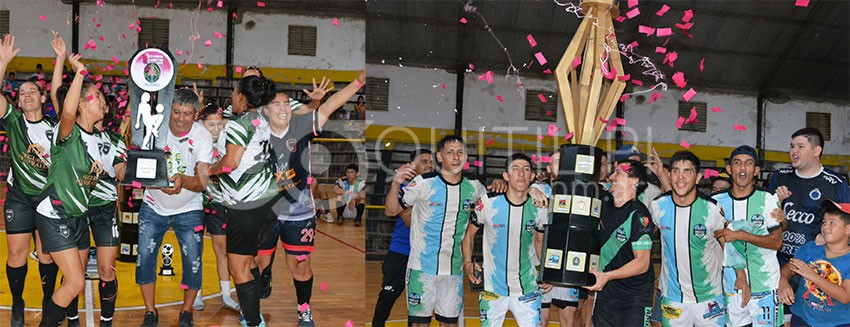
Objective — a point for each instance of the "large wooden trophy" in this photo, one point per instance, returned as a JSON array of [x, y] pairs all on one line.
[[589, 90], [151, 84]]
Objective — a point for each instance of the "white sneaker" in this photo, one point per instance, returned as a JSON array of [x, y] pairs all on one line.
[[327, 218], [199, 302], [230, 303]]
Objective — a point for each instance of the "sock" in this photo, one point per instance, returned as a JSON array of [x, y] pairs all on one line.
[[303, 290], [48, 272], [360, 208], [73, 310], [339, 211], [52, 314], [16, 277], [224, 285], [256, 273], [249, 299], [108, 294], [198, 298]]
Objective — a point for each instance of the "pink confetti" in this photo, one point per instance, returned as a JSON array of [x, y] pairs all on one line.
[[624, 77], [218, 35], [466, 165], [633, 3], [716, 109], [255, 122], [548, 113], [500, 99], [702, 64], [261, 4], [130, 203], [208, 42], [443, 86], [43, 18], [490, 141], [624, 97], [553, 130], [576, 61], [685, 144], [462, 20], [547, 71], [670, 57], [219, 3], [200, 65], [637, 82], [611, 74], [310, 180], [679, 79], [99, 3], [689, 95], [686, 17], [569, 136], [56, 202], [610, 128], [802, 3], [663, 10], [709, 173], [654, 97], [633, 13], [603, 120], [199, 228], [666, 31], [531, 40], [471, 66], [115, 60], [545, 159], [223, 226], [90, 97], [301, 257], [692, 118], [541, 98], [478, 163], [540, 58], [226, 169], [646, 30], [324, 287], [738, 127], [620, 121], [540, 137], [626, 167], [684, 27], [620, 19], [336, 22], [349, 323], [534, 158], [238, 69], [680, 122], [131, 26]]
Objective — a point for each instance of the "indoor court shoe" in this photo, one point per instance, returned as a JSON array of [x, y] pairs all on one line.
[[17, 315], [186, 319], [106, 323], [151, 320], [267, 286], [244, 323], [228, 302], [75, 322], [305, 318]]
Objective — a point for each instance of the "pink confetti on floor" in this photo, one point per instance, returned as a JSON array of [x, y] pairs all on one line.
[[540, 58], [349, 323], [663, 10], [531, 40], [685, 144], [323, 287], [689, 95]]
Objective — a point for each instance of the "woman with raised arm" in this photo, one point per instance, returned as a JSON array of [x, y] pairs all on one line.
[[65, 199], [30, 134]]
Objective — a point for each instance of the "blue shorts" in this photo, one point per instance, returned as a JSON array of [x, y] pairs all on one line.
[[297, 237]]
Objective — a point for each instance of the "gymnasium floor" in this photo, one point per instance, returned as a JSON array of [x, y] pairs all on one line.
[[337, 263]]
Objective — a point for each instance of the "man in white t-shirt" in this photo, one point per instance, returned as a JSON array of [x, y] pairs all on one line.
[[189, 154]]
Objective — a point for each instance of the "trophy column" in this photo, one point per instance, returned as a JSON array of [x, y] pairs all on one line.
[[572, 239]]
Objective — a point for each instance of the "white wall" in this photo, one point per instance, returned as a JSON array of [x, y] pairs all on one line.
[[414, 101], [340, 47], [32, 34]]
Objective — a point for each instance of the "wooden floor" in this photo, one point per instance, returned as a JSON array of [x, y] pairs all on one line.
[[338, 262]]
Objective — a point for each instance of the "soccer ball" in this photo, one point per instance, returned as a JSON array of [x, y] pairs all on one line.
[[167, 249]]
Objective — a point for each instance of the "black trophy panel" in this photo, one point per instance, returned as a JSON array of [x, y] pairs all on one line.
[[141, 173]]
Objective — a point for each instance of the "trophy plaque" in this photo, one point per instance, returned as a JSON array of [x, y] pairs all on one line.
[[151, 84]]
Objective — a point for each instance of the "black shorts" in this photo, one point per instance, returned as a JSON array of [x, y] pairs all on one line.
[[103, 222], [215, 218], [20, 211], [632, 314], [59, 234], [297, 237], [250, 224]]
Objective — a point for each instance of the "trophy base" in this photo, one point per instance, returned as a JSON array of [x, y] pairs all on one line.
[[146, 167], [166, 271]]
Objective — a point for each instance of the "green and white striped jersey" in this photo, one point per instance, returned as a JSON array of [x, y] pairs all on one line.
[[254, 178], [114, 152], [213, 193], [29, 147]]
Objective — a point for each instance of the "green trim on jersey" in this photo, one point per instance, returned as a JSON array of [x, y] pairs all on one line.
[[107, 185], [257, 182], [73, 174], [28, 161], [699, 273]]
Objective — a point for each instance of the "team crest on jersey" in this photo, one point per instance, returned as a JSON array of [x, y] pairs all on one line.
[[530, 226], [467, 204], [815, 194], [480, 205], [644, 221], [714, 310], [49, 134], [621, 235], [483, 314], [291, 144], [104, 147], [700, 230], [414, 299], [63, 230], [758, 220]]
